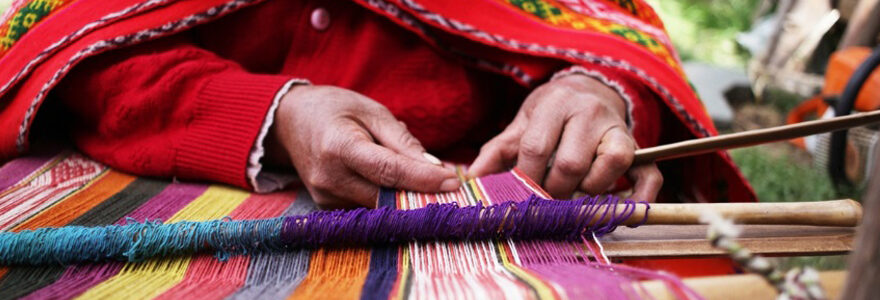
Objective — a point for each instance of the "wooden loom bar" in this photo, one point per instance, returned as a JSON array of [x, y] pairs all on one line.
[[846, 213], [690, 241], [786, 228], [753, 137]]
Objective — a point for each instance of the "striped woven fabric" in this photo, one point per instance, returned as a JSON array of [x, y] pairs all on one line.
[[58, 189]]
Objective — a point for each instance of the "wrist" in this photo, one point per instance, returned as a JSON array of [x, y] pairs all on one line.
[[585, 84], [276, 152], [619, 83]]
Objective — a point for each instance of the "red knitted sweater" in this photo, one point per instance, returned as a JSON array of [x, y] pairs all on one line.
[[192, 105]]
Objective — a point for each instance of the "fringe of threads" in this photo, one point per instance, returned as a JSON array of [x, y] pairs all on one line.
[[795, 284]]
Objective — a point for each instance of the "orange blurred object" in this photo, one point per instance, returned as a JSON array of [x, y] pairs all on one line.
[[812, 108], [840, 68]]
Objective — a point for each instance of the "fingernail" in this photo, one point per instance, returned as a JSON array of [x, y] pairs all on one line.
[[450, 184], [432, 159]]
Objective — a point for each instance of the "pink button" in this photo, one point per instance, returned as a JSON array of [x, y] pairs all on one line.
[[320, 19]]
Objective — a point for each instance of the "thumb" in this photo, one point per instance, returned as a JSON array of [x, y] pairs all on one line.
[[387, 168]]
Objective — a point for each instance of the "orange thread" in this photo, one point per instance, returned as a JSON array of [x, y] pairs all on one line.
[[335, 274]]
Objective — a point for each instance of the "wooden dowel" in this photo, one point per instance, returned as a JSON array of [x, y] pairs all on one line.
[[753, 137], [844, 213]]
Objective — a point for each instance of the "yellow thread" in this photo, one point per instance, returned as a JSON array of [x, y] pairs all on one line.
[[28, 20], [401, 199], [402, 277], [544, 291], [146, 280], [478, 194]]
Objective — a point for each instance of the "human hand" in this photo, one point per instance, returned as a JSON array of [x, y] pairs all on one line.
[[344, 146], [582, 121]]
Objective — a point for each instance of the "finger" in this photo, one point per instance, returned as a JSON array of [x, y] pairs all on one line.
[[335, 186], [339, 199], [392, 134], [358, 193], [648, 181], [497, 155], [384, 167], [613, 157], [538, 142], [573, 158]]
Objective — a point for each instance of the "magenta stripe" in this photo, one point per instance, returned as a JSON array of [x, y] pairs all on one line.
[[78, 279], [504, 187], [560, 263], [17, 170]]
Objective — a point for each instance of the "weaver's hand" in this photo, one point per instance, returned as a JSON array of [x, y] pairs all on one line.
[[570, 134], [345, 146]]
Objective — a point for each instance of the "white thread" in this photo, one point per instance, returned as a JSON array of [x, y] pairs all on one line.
[[601, 249]]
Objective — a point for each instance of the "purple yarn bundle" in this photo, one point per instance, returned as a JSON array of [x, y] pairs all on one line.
[[535, 218]]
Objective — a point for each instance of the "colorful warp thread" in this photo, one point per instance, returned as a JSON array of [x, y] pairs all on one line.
[[92, 195]]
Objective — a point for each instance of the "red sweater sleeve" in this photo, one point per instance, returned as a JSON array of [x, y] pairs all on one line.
[[169, 108]]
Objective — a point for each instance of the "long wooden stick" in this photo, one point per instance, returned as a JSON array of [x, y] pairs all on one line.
[[753, 137], [845, 213]]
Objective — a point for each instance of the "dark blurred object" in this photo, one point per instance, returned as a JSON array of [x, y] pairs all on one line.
[[839, 162], [790, 45], [739, 95], [863, 23], [864, 262]]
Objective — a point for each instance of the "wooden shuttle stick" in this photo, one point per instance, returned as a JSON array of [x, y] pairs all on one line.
[[753, 137], [844, 213]]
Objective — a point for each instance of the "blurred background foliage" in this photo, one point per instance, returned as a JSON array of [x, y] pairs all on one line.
[[705, 30]]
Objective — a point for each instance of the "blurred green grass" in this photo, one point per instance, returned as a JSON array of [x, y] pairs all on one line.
[[777, 177]]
